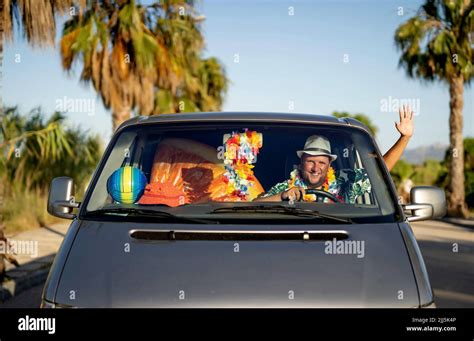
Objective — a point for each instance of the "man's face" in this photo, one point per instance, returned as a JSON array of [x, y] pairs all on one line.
[[314, 169]]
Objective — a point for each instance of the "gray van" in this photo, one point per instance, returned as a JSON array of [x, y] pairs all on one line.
[[172, 217]]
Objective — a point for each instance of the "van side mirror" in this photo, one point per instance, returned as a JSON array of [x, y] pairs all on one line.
[[426, 202], [61, 198]]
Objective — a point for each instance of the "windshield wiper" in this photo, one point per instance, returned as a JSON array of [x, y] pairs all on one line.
[[295, 211], [140, 212]]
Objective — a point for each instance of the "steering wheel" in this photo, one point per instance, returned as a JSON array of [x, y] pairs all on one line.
[[319, 193]]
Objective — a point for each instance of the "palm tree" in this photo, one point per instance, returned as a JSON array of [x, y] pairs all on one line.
[[140, 56], [208, 95], [202, 81], [436, 44], [37, 22], [36, 19], [48, 154], [119, 54], [17, 136]]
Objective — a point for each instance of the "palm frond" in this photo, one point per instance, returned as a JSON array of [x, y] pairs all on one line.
[[36, 19], [437, 42]]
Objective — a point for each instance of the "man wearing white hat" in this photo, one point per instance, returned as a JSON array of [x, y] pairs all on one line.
[[316, 158]]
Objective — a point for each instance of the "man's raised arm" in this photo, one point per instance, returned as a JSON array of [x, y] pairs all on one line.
[[405, 127]]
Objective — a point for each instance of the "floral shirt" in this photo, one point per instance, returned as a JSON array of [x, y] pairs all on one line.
[[347, 184]]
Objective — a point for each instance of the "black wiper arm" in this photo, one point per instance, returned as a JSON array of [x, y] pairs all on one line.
[[139, 212], [299, 212]]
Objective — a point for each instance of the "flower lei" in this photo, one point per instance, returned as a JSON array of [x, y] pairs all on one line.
[[296, 180], [240, 154]]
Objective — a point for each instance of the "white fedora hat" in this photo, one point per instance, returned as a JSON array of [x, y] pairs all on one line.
[[317, 145]]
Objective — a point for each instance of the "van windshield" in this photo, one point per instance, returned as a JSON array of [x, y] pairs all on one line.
[[200, 167]]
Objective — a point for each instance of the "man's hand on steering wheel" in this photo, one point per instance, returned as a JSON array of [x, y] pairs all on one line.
[[293, 194]]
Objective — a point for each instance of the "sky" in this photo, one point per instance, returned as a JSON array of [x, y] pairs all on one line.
[[280, 56]]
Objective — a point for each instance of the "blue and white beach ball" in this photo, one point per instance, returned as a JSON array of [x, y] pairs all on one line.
[[126, 185]]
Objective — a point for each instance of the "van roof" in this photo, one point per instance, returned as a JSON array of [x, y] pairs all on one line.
[[242, 116]]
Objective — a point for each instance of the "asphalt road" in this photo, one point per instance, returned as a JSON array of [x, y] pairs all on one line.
[[27, 299], [448, 251]]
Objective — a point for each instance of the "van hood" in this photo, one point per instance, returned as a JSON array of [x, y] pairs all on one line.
[[110, 264]]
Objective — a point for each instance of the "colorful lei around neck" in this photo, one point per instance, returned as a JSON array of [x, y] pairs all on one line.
[[241, 151], [296, 180]]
